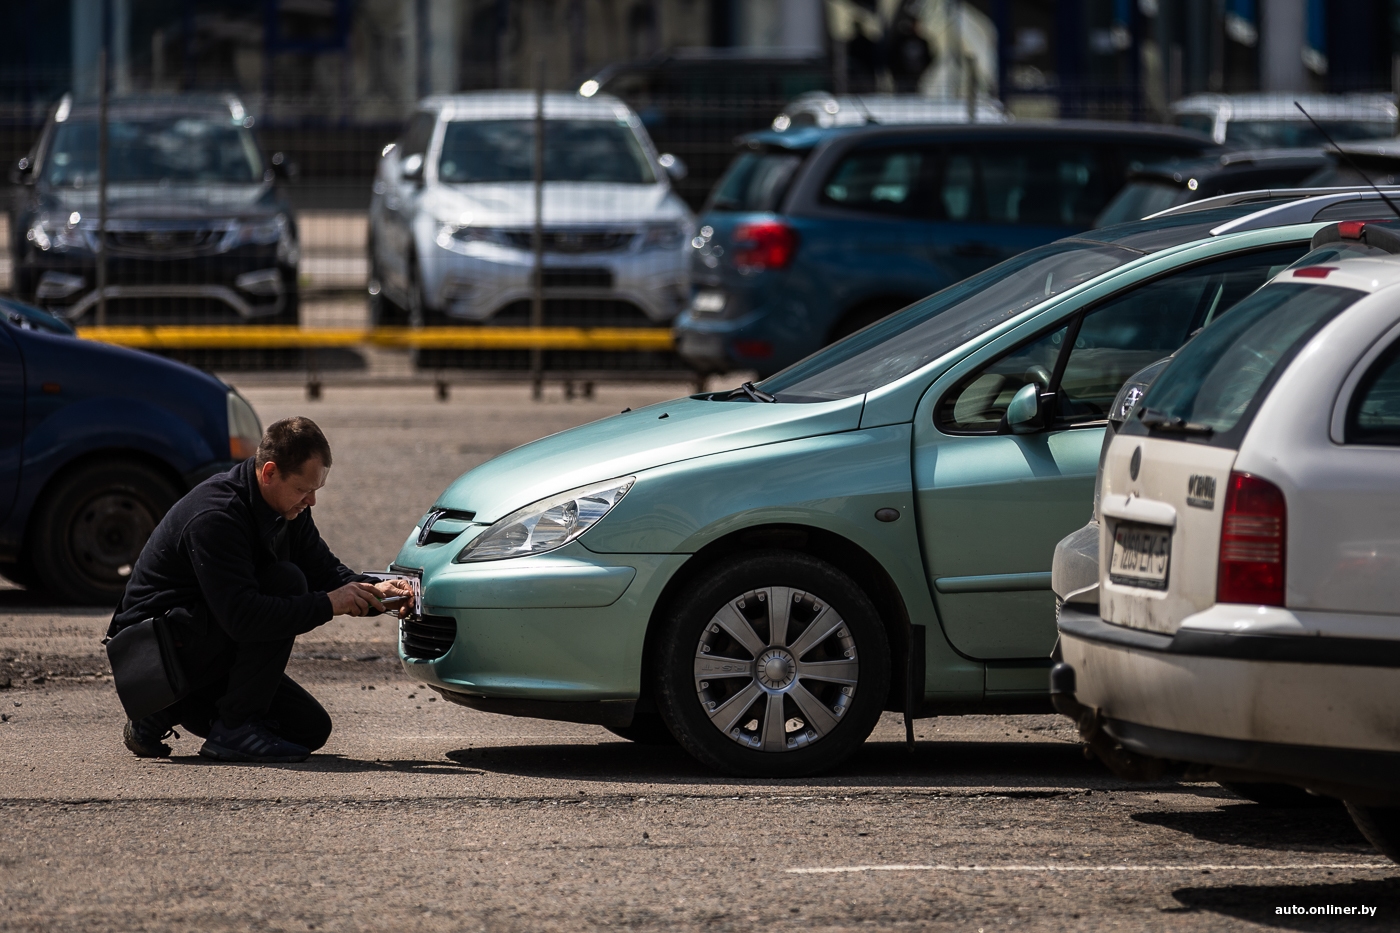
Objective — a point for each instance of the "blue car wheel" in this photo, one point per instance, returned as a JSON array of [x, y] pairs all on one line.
[[91, 525], [774, 664]]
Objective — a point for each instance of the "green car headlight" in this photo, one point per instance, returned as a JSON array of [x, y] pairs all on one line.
[[547, 524]]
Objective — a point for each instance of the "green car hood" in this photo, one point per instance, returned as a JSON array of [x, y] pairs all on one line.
[[626, 444]]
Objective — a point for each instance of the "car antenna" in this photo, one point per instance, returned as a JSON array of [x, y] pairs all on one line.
[[1388, 203], [864, 110]]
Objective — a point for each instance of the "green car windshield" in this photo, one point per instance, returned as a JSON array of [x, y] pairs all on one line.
[[901, 343]]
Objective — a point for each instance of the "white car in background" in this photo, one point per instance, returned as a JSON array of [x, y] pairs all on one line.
[[452, 216], [1273, 121], [818, 108], [1248, 620]]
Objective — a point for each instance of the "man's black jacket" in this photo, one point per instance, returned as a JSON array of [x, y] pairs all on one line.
[[206, 552]]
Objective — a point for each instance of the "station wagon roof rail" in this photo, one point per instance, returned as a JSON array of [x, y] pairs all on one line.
[[1265, 194]]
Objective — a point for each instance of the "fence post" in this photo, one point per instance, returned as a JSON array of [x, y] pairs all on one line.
[[537, 240], [102, 185]]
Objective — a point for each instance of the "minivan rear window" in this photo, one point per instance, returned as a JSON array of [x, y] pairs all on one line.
[[755, 181], [1213, 383]]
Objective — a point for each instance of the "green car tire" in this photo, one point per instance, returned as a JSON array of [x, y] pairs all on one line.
[[774, 664]]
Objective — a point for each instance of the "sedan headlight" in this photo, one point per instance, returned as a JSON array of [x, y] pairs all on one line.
[[547, 524], [244, 431]]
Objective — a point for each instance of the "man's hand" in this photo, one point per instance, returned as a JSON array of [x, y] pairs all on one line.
[[355, 599], [396, 588]]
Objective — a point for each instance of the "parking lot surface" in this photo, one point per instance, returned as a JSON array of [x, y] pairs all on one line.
[[420, 815]]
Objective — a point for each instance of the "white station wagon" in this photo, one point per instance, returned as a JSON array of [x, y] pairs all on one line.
[[1249, 607]]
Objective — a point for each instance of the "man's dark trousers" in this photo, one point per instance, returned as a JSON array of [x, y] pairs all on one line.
[[241, 681]]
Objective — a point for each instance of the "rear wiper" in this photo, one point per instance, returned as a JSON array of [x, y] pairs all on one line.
[[1158, 421], [755, 395]]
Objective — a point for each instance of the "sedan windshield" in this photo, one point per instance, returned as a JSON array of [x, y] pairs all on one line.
[[169, 149], [903, 342], [574, 150]]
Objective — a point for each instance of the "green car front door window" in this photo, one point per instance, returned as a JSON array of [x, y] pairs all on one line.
[[1108, 344], [921, 333], [1024, 492]]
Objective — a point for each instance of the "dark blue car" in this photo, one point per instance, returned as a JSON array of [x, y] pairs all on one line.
[[96, 443], [813, 233]]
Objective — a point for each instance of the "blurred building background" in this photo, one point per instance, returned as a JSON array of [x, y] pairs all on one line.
[[330, 81]]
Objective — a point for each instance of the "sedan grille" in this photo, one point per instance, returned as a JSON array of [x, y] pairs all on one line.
[[428, 637]]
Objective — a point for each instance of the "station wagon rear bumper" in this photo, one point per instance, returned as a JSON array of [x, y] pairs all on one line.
[[1290, 708]]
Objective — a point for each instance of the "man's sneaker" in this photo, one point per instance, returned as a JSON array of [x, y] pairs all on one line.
[[252, 741], [145, 737]]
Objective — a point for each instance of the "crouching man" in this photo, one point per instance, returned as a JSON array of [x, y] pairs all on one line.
[[242, 566]]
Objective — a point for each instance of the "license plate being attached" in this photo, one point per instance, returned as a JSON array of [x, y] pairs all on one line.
[[1140, 556]]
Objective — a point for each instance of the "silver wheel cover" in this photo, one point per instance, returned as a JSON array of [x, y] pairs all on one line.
[[776, 669]]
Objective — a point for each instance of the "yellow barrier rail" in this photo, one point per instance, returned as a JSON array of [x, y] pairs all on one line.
[[197, 337]]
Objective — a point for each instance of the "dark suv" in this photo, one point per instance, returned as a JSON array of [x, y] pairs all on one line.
[[196, 231], [814, 233]]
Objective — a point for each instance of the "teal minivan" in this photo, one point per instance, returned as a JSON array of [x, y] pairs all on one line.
[[757, 574]]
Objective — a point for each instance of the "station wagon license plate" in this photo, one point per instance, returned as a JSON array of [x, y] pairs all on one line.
[[1140, 556]]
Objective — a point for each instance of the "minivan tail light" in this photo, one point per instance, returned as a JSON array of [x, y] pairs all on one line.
[[767, 244], [1253, 542]]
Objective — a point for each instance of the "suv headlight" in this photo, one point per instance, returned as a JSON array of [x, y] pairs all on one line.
[[263, 232], [547, 524], [456, 236], [244, 431], [665, 236], [48, 232]]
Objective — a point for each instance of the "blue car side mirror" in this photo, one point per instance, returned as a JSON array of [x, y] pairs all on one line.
[[1022, 415]]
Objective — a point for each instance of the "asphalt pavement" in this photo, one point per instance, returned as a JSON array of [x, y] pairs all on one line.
[[421, 815]]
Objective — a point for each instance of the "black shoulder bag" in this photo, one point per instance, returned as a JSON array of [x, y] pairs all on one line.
[[145, 665]]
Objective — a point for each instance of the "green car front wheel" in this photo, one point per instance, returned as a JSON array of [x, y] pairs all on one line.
[[774, 664]]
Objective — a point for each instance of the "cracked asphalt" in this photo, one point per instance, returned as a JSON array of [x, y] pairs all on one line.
[[421, 815]]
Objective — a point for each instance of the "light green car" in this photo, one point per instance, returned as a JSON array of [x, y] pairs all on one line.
[[757, 574]]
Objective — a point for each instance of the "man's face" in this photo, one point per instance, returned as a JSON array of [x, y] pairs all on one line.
[[289, 494]]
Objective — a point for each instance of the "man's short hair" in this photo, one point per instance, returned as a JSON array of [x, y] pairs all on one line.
[[291, 442]]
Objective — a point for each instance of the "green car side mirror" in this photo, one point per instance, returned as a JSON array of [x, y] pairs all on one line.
[[1023, 413]]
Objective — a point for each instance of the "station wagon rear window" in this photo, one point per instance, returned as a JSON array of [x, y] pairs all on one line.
[[1214, 382]]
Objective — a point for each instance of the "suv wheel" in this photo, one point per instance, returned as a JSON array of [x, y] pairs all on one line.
[[382, 311], [91, 526], [775, 664], [1380, 826]]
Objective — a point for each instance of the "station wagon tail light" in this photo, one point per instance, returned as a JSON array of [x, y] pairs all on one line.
[[1253, 542], [768, 244], [547, 524], [244, 430]]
